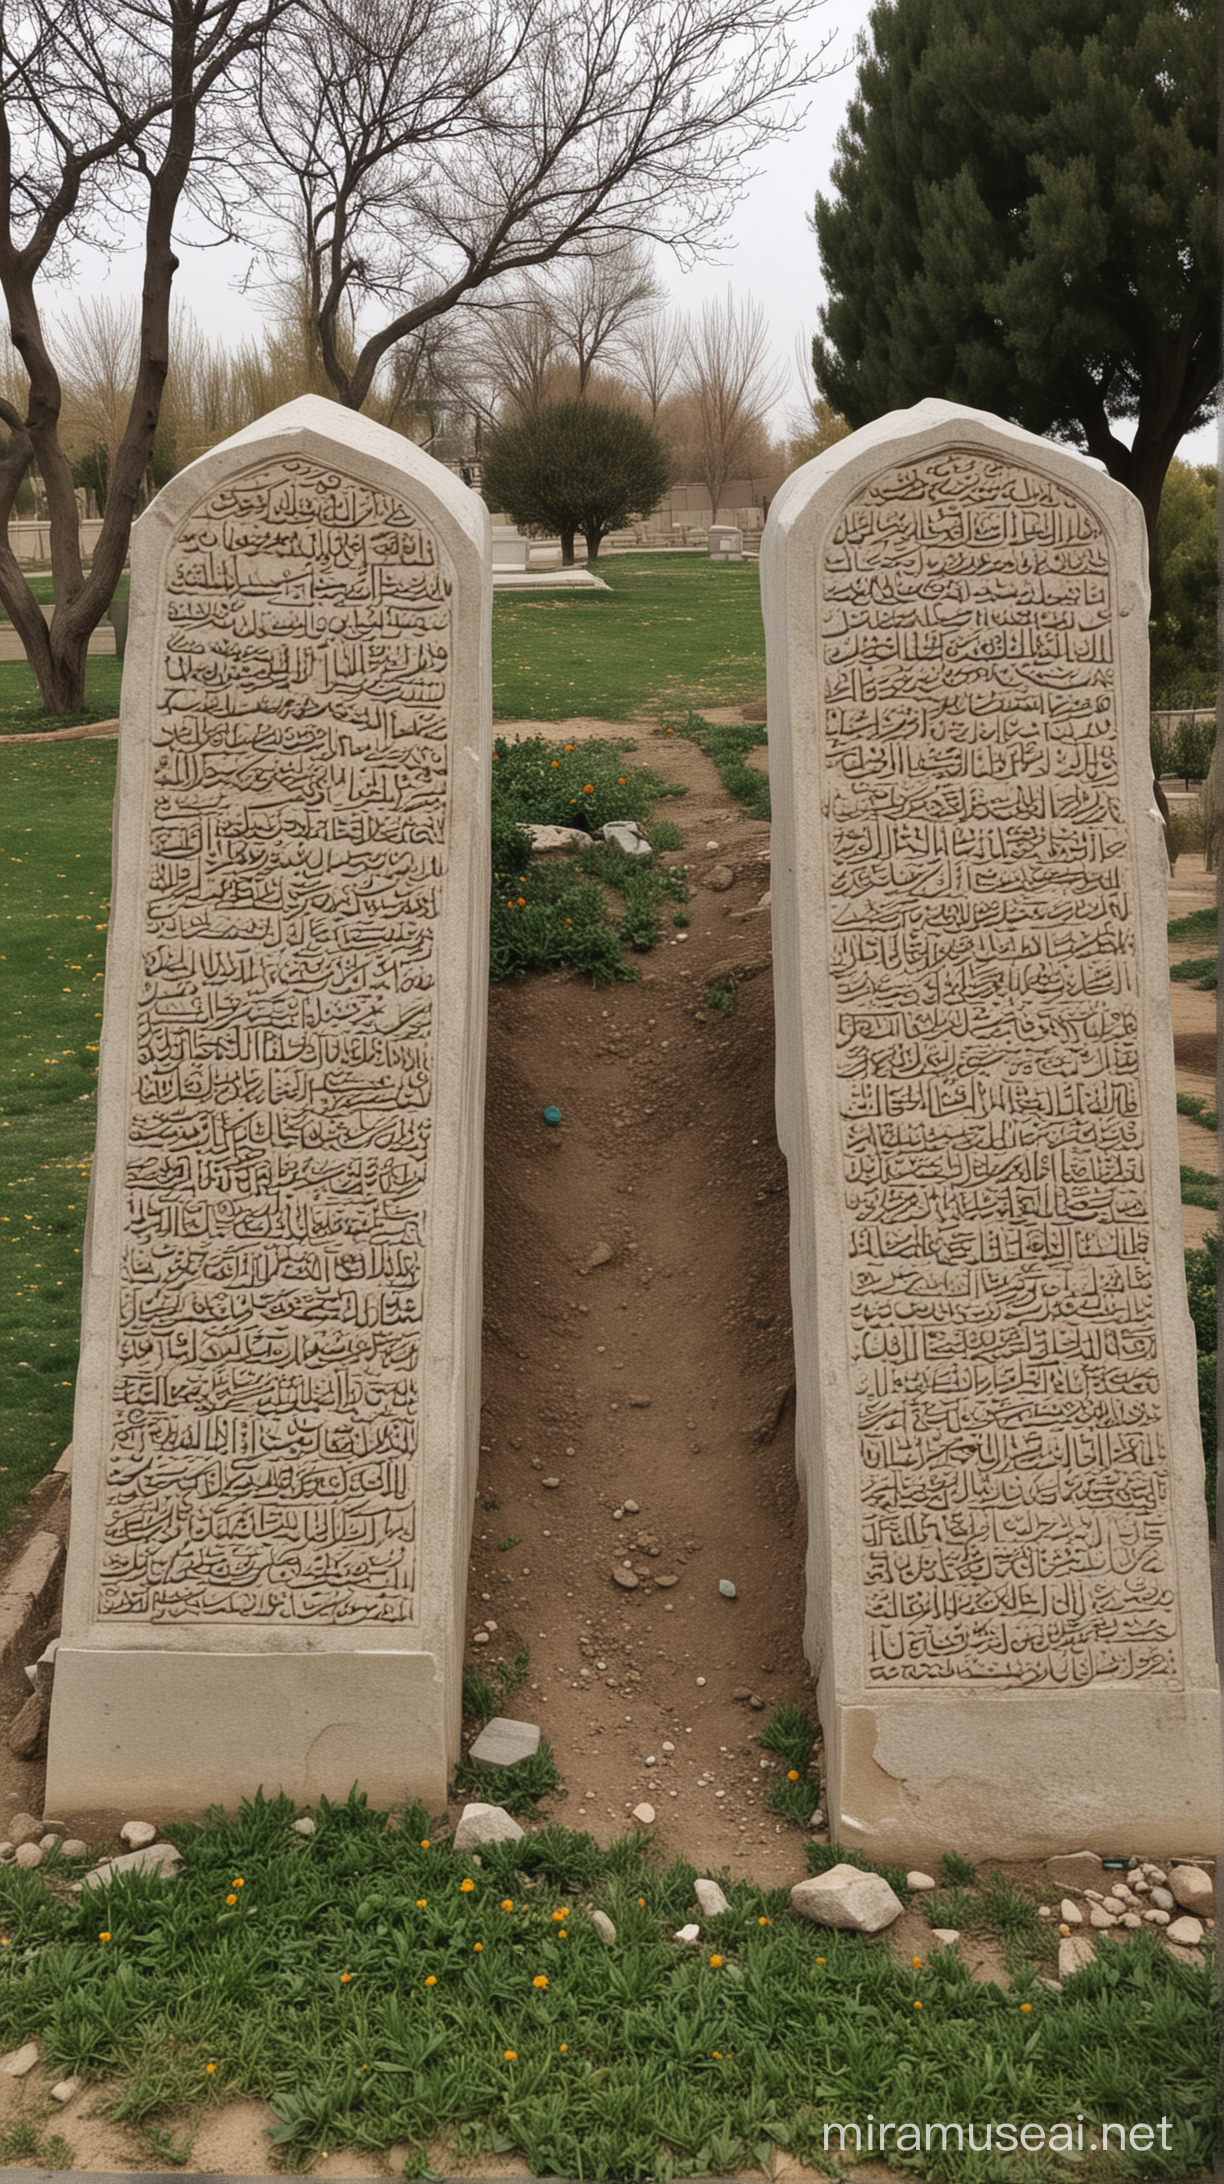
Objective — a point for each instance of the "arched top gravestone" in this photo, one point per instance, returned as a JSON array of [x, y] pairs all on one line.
[[276, 1422], [1008, 1586]]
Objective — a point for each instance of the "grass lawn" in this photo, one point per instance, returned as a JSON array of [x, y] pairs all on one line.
[[672, 631], [382, 1991], [21, 711]]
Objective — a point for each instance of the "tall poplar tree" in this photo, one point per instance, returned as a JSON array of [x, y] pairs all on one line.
[[1024, 220]]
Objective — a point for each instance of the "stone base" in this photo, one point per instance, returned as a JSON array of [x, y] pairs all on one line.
[[167, 1734], [1018, 1776]]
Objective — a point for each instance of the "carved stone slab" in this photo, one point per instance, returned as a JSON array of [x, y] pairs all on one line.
[[277, 1409], [1008, 1600]]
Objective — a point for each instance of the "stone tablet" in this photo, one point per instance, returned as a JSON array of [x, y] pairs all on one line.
[[1008, 1600], [277, 1410]]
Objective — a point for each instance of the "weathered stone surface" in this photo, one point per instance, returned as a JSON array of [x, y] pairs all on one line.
[[1077, 1870], [160, 1858], [545, 840], [290, 1103], [1074, 1952], [502, 1742], [1186, 1932], [137, 1833], [23, 1828], [969, 879], [1070, 1913], [603, 1926], [30, 1854], [946, 1936], [19, 2061], [845, 1897], [486, 1824], [627, 836], [919, 1881], [27, 1727], [711, 1898], [1192, 1889], [66, 2088]]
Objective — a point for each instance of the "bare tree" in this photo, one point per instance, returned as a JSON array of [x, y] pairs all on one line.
[[730, 385], [103, 113], [651, 354], [596, 302], [416, 150]]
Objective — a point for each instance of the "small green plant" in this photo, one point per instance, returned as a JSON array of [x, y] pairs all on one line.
[[821, 1856], [1200, 925], [789, 1733], [504, 1545], [1200, 1188], [1198, 1110], [480, 1698], [517, 1788], [725, 746], [721, 996], [956, 1872], [1200, 971], [665, 835]]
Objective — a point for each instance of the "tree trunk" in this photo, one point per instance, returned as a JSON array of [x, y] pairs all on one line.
[[593, 538], [567, 549]]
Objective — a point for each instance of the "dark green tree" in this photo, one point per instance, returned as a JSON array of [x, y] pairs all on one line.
[[1185, 589], [576, 466], [1024, 220]]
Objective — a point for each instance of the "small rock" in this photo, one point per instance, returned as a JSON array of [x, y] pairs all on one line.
[[1163, 1899], [845, 1897], [1101, 1918], [1114, 1906], [667, 1582], [710, 1898], [48, 1844], [633, 1508], [1141, 1887], [817, 1819], [1074, 1869], [667, 1745], [304, 1826], [480, 1637], [1074, 1952], [19, 2060], [1156, 1918], [757, 1704], [1131, 1919], [726, 1588], [742, 1695], [603, 1927], [1093, 1895], [600, 1256], [72, 1847], [640, 1402], [946, 1936], [701, 1683], [1156, 1873], [720, 877], [627, 836], [137, 1834], [27, 1727], [644, 1814], [919, 1880], [547, 840], [486, 1824], [1186, 1932], [160, 1858], [23, 1828], [550, 1483], [503, 1742], [1070, 1913], [1053, 1986], [1192, 1889], [29, 1854], [6, 1853], [651, 1761], [625, 1578], [66, 2088], [687, 1933]]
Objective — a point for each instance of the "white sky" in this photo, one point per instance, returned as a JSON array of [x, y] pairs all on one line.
[[770, 252]]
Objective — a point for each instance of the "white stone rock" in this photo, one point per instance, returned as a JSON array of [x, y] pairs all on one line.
[[486, 1824], [72, 1847], [66, 2088], [1156, 1918], [687, 1933], [710, 1898], [1163, 1899], [603, 1926], [1053, 1986], [502, 1742], [845, 1897], [1131, 1919], [918, 1881], [945, 1935], [48, 1844], [644, 1815], [304, 1826], [1114, 1905], [1070, 1913], [1156, 1873], [30, 1854], [160, 1858], [387, 558], [1192, 1889], [1074, 1952], [1186, 1932], [1101, 1918], [845, 564], [19, 2061], [547, 841], [1044, 1911], [138, 1834], [627, 836]]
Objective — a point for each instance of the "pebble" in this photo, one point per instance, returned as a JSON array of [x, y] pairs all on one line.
[[550, 1482], [49, 1843], [1186, 1932], [633, 1508], [817, 1819], [603, 1926], [726, 1588], [66, 2088], [1100, 1917], [6, 1853], [919, 1880], [72, 1848], [1114, 1906], [687, 1933], [19, 2060], [720, 877], [625, 1579], [1070, 1913], [480, 1638], [668, 1581], [1044, 1911], [1156, 1873], [1131, 1919], [29, 1854], [644, 1814], [946, 1936], [1162, 1899], [304, 1826], [1156, 1918], [667, 1745], [137, 1834], [710, 1898], [700, 1683], [24, 1828], [651, 1761]]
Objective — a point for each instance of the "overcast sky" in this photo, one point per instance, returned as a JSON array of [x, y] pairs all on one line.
[[770, 254]]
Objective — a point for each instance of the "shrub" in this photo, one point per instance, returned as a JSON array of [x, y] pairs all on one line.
[[576, 466]]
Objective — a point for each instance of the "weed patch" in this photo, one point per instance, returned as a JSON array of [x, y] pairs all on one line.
[[1200, 925], [1199, 971], [725, 747], [1197, 1110]]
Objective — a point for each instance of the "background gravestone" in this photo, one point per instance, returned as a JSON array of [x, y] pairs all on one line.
[[1008, 1600], [276, 1426]]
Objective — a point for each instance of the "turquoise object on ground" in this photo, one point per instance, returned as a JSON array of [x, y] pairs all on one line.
[[552, 1116]]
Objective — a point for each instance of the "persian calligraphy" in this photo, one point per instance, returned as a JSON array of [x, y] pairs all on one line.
[[264, 1411], [1006, 1370]]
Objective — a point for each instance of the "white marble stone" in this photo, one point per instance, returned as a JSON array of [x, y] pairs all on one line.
[[503, 1742], [275, 1441], [844, 1896], [725, 542], [974, 1073]]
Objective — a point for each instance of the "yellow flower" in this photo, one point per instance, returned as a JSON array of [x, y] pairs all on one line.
[[104, 1937], [466, 1887], [917, 1963], [209, 2069], [917, 2005], [231, 1899], [345, 1977], [425, 1844], [509, 2055], [565, 2047], [820, 1960], [507, 1903], [764, 1922], [477, 1946], [588, 788], [521, 901], [716, 1961], [793, 1776], [238, 1882], [422, 1902], [1026, 2005], [539, 1980], [431, 1981], [559, 1915], [641, 1903]]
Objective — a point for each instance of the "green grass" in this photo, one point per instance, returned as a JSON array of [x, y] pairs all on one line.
[[342, 1982], [1197, 1110], [54, 897], [21, 709], [1200, 1188], [673, 631], [1200, 925], [725, 747], [1199, 970]]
